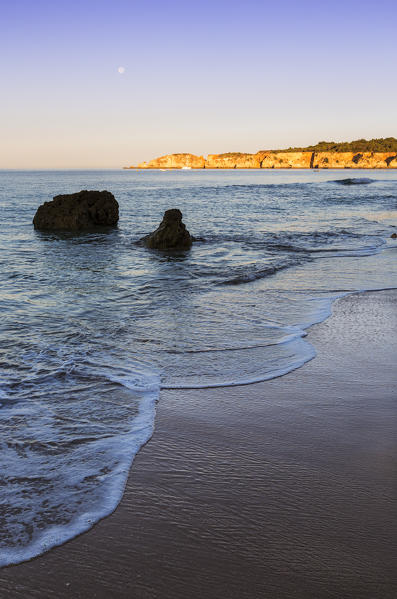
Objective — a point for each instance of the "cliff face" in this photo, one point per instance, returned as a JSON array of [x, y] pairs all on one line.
[[277, 160], [175, 161], [285, 159], [232, 160], [354, 160]]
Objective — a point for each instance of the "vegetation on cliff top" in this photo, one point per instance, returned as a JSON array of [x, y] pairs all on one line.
[[233, 155], [387, 144]]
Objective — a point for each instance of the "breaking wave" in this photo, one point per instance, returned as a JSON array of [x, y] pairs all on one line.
[[354, 181]]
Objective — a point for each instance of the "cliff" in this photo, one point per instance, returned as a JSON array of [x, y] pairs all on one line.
[[272, 159], [360, 153], [285, 159], [174, 161], [354, 160], [233, 160]]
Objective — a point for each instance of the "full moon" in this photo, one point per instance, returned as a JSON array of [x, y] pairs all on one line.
[[121, 70]]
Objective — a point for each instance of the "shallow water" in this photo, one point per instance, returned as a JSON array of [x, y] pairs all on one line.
[[93, 325]]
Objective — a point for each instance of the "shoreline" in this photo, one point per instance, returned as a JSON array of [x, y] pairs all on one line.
[[278, 489]]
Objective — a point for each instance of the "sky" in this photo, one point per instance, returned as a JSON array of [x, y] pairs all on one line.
[[201, 77]]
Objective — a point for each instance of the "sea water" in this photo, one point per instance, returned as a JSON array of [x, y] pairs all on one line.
[[93, 325]]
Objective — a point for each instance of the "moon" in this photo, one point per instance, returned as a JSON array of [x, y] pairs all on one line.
[[121, 70]]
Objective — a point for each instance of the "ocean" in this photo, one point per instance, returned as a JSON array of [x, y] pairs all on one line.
[[93, 326]]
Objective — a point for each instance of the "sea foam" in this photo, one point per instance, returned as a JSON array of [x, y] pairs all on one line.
[[93, 325]]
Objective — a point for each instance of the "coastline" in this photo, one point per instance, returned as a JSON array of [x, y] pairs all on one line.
[[281, 489], [301, 159], [252, 168]]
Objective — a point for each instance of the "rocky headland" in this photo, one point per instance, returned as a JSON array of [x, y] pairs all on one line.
[[274, 160], [370, 154]]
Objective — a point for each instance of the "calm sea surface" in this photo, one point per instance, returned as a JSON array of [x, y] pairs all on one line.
[[93, 326]]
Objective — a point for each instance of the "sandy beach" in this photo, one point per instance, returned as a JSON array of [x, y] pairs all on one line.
[[284, 489]]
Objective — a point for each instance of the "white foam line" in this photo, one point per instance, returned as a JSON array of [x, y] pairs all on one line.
[[271, 375], [298, 364], [142, 430]]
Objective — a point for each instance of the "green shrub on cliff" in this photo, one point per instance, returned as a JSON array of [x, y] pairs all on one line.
[[232, 155], [387, 144]]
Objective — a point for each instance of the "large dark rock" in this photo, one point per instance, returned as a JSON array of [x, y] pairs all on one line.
[[171, 234], [78, 211]]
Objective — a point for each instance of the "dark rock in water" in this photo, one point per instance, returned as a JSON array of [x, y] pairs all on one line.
[[393, 235], [78, 211], [170, 235]]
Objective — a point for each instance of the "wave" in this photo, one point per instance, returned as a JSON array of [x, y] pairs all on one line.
[[288, 250], [337, 241], [276, 373], [293, 353], [261, 273], [192, 189], [286, 339], [77, 481], [69, 436], [353, 181]]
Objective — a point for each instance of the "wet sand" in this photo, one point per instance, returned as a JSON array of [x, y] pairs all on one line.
[[284, 489]]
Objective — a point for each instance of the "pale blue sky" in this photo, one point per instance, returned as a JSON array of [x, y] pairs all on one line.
[[202, 77]]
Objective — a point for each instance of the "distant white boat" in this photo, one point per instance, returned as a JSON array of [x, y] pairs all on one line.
[[186, 168]]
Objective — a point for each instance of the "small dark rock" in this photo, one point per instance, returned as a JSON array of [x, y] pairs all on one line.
[[78, 211], [171, 234], [393, 235]]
